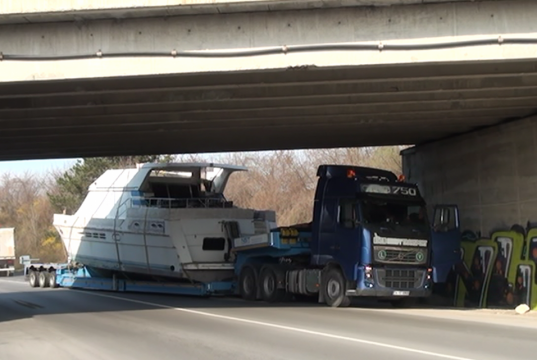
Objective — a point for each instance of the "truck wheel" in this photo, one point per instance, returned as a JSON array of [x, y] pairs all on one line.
[[334, 289], [43, 279], [248, 284], [268, 283], [33, 279]]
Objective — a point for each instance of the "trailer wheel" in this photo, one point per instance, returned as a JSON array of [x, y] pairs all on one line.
[[334, 289], [52, 279], [43, 279], [248, 283], [33, 281], [268, 282]]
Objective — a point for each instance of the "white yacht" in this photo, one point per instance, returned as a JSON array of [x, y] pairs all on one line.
[[167, 220]]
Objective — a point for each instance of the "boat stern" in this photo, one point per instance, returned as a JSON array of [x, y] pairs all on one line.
[[64, 226]]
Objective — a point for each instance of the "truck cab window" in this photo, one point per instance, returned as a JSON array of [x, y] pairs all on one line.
[[347, 213], [328, 218], [378, 212], [444, 219]]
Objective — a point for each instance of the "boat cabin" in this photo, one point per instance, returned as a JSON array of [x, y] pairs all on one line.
[[162, 185]]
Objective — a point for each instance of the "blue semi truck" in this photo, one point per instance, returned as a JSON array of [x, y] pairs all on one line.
[[370, 236]]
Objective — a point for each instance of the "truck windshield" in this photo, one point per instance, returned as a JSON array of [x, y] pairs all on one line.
[[377, 211]]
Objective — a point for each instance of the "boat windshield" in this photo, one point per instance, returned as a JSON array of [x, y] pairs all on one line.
[[191, 187]]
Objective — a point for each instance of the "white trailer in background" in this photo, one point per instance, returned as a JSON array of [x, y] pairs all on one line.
[[7, 251]]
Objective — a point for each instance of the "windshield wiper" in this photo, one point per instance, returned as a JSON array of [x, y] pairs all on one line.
[[386, 226], [383, 228]]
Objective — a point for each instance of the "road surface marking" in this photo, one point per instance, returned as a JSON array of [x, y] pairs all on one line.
[[271, 325], [282, 327]]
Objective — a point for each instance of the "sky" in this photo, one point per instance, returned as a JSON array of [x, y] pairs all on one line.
[[37, 167], [41, 167]]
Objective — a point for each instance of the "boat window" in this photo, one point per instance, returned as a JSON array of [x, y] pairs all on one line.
[[174, 191], [214, 244]]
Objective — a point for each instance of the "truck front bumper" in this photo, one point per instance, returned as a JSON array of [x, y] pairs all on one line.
[[391, 293], [7, 271], [391, 282]]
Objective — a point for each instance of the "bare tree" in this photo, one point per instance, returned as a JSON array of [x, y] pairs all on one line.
[[24, 205], [285, 180]]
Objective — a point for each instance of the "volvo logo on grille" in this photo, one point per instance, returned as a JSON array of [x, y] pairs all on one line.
[[382, 254]]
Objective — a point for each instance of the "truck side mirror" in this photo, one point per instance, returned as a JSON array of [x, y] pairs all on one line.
[[25, 260]]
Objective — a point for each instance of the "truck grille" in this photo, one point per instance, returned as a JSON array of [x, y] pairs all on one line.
[[384, 254], [400, 278]]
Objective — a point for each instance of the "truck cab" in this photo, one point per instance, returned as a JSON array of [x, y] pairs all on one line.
[[369, 236], [373, 229]]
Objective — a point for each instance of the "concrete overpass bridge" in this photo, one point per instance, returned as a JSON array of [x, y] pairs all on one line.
[[191, 76], [172, 76]]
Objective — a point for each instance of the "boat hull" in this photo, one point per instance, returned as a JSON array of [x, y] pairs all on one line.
[[180, 244]]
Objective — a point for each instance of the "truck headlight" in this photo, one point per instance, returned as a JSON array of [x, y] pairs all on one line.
[[368, 272], [368, 276]]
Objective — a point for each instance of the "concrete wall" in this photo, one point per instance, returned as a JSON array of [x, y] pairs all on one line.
[[491, 174]]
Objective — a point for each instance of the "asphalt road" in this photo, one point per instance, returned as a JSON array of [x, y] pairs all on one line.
[[79, 325]]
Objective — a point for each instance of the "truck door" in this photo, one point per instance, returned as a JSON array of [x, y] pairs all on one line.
[[339, 234], [446, 241]]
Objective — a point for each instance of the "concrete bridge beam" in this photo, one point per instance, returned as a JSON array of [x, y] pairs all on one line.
[[418, 26]]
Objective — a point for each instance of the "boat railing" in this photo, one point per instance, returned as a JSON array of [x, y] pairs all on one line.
[[175, 203]]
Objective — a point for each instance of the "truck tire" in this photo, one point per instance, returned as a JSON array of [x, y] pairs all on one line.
[[248, 283], [52, 279], [32, 279], [268, 285], [334, 289], [43, 279]]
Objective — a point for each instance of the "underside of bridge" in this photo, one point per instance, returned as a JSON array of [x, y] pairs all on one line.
[[281, 109]]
